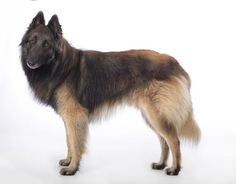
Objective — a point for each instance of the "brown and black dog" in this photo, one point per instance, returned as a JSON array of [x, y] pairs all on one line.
[[82, 85]]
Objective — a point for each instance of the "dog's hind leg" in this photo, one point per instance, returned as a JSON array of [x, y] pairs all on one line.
[[167, 105], [164, 149], [164, 155], [169, 139]]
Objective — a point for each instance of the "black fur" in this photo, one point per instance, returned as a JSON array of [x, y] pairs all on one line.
[[157, 166], [109, 76], [94, 77], [77, 82]]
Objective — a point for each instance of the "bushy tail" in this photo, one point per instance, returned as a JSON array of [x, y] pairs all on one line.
[[190, 131]]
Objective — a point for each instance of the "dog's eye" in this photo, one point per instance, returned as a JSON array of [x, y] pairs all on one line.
[[45, 44], [33, 40]]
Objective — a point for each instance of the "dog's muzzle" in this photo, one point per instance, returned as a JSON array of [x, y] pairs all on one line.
[[32, 65]]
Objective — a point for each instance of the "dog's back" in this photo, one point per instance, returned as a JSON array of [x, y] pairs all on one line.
[[107, 77]]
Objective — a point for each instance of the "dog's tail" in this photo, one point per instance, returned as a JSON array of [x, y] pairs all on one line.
[[190, 131]]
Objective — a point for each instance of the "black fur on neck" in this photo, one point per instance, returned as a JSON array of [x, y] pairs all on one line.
[[47, 78]]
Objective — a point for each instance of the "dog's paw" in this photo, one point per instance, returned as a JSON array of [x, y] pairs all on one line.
[[64, 162], [173, 171], [68, 171], [158, 166]]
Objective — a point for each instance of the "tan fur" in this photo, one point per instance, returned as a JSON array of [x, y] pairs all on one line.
[[168, 109], [107, 109], [190, 130], [85, 85], [76, 123], [164, 151], [165, 104], [163, 128], [171, 98]]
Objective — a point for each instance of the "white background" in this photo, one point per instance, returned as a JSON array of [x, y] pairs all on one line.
[[200, 34]]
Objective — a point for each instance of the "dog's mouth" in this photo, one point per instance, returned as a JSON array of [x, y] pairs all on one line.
[[33, 65], [36, 64]]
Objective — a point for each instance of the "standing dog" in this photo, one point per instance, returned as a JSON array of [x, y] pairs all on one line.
[[82, 85]]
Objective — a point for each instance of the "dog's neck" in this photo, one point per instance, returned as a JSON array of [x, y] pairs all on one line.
[[45, 80], [66, 53]]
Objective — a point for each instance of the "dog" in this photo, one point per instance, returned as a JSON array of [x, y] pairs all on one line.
[[83, 85]]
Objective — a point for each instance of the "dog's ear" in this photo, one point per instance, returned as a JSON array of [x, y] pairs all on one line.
[[37, 20], [55, 27]]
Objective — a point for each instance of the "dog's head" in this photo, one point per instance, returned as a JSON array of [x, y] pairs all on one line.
[[39, 44]]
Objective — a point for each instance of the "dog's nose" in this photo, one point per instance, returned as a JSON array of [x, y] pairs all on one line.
[[32, 65]]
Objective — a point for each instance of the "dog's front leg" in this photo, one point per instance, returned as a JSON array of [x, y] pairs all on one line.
[[76, 137], [76, 125], [66, 162]]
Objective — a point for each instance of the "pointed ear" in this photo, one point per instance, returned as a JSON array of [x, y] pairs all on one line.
[[37, 20], [55, 27]]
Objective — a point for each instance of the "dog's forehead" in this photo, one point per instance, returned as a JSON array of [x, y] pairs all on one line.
[[42, 31]]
